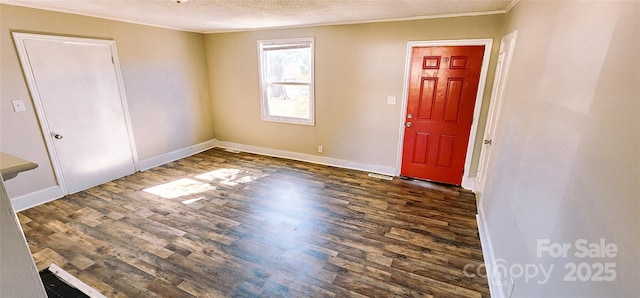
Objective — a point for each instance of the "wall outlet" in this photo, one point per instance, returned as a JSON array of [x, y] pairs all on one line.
[[18, 105], [320, 149], [391, 100]]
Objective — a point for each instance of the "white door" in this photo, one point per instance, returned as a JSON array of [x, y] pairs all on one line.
[[76, 87], [507, 45]]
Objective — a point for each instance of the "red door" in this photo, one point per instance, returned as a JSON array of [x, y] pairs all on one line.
[[443, 83]]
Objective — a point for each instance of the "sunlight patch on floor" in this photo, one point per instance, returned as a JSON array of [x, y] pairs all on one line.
[[179, 188], [229, 177], [189, 201]]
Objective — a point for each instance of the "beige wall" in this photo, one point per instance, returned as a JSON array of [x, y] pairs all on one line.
[[165, 80], [356, 68], [567, 163]]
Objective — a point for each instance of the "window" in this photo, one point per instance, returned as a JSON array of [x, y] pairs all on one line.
[[286, 80]]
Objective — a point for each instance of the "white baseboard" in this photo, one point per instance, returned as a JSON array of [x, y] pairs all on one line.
[[155, 161], [36, 198], [468, 182], [495, 288], [309, 158]]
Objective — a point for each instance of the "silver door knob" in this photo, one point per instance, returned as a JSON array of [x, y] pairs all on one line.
[[58, 136], [408, 124], [487, 142]]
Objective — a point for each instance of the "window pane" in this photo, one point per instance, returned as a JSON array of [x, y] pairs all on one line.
[[288, 100], [288, 65]]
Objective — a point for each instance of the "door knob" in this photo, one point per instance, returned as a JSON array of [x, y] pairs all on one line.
[[408, 124], [58, 136], [487, 142]]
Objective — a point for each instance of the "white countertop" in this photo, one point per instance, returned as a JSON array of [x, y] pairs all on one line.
[[11, 166]]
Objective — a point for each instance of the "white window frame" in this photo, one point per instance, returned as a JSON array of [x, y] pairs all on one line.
[[262, 44]]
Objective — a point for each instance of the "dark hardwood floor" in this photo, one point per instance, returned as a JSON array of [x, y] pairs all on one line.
[[219, 224]]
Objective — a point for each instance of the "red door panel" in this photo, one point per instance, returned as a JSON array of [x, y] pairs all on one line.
[[443, 83]]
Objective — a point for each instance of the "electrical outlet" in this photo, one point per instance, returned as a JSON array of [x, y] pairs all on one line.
[[320, 149], [18, 105], [391, 100]]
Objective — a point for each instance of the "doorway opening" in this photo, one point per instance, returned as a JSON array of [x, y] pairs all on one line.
[[448, 98], [507, 46]]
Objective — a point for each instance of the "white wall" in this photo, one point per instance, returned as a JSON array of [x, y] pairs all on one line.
[[567, 150]]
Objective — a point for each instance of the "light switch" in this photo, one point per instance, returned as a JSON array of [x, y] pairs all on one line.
[[18, 105], [391, 100]]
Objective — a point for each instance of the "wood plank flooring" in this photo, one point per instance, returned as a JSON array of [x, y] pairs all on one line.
[[219, 224]]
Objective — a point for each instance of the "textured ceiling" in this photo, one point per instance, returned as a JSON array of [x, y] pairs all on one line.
[[239, 15]]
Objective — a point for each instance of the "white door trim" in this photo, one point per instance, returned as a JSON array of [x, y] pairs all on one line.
[[19, 39], [467, 180], [497, 95]]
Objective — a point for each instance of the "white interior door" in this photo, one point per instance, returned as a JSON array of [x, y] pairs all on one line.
[[507, 45], [76, 87]]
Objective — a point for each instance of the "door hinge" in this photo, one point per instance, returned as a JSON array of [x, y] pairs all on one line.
[[113, 61]]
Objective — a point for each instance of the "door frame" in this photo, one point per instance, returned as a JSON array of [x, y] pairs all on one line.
[[467, 181], [500, 81], [19, 39]]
